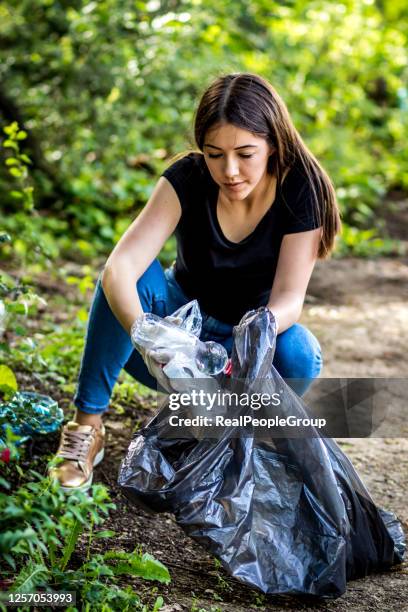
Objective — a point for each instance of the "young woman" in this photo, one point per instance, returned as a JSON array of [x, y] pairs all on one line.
[[252, 210]]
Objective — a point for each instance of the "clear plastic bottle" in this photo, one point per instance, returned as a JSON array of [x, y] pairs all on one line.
[[211, 358], [177, 335]]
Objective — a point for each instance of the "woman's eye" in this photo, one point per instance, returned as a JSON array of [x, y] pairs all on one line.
[[241, 155]]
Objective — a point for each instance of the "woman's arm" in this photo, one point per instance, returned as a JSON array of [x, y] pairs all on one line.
[[297, 257], [136, 250]]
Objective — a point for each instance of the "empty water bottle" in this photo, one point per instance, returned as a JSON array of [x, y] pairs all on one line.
[[174, 341]]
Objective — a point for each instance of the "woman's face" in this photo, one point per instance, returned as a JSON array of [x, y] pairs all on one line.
[[234, 155]]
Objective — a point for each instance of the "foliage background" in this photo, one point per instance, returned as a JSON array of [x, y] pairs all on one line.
[[106, 92]]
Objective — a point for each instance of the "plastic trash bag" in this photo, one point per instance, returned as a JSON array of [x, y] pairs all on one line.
[[288, 515]]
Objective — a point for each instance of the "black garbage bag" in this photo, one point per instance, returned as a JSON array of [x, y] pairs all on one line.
[[288, 515]]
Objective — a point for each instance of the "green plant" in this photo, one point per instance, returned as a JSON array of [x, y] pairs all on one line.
[[222, 583], [259, 601], [17, 164], [366, 243], [17, 301], [8, 383], [16, 296], [30, 243], [41, 527]]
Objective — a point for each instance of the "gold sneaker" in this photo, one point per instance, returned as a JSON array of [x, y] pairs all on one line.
[[82, 447]]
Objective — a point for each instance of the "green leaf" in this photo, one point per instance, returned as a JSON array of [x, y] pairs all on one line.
[[4, 483], [158, 604], [15, 172], [10, 144], [21, 135], [133, 564], [18, 308], [31, 576], [7, 378], [70, 544], [11, 161], [17, 195], [11, 129], [9, 560], [107, 533], [78, 515]]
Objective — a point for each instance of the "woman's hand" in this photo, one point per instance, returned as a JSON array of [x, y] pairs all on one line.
[[154, 359]]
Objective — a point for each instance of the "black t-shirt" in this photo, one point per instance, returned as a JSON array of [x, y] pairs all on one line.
[[229, 278]]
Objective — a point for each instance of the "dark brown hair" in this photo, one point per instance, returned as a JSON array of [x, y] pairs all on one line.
[[249, 102]]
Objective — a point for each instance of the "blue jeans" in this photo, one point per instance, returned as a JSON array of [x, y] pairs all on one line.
[[108, 348]]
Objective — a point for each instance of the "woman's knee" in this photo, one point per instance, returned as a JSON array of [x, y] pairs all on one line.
[[298, 353]]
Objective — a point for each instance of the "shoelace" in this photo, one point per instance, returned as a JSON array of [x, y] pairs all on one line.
[[75, 445]]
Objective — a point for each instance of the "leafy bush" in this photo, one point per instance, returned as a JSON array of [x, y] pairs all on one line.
[[104, 107], [16, 294], [41, 527]]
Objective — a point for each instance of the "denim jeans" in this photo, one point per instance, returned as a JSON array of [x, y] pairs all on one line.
[[108, 347]]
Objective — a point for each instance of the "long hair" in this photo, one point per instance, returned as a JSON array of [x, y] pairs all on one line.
[[249, 102]]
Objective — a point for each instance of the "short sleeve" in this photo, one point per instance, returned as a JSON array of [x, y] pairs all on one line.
[[301, 212], [182, 174]]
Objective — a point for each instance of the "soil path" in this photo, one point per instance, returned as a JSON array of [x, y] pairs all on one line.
[[359, 312]]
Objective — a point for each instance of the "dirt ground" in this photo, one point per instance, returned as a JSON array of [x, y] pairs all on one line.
[[358, 311]]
